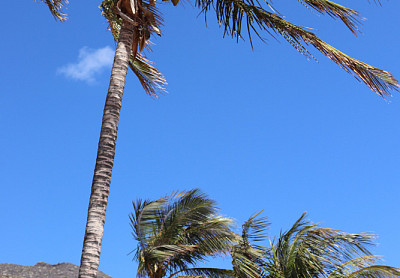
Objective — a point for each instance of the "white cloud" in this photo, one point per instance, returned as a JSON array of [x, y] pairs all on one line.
[[90, 62]]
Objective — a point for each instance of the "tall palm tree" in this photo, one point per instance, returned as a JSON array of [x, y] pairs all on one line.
[[129, 37], [133, 22]]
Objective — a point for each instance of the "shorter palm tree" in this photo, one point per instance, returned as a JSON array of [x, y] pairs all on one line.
[[175, 233], [309, 251]]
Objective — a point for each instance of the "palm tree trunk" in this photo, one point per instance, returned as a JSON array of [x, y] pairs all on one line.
[[105, 156]]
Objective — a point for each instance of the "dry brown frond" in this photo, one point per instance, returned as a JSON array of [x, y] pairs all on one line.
[[376, 79], [55, 7], [151, 78], [347, 15]]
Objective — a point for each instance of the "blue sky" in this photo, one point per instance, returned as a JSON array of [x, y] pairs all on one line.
[[262, 129]]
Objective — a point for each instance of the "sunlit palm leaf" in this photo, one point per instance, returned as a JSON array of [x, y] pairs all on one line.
[[334, 244], [353, 265], [56, 7], [376, 271]]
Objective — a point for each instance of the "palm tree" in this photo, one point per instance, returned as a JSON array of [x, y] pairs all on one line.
[[176, 232], [309, 251], [133, 22], [129, 36]]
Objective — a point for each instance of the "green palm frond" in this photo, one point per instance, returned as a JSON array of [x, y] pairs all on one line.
[[151, 79], [55, 7], [142, 221], [254, 229], [247, 262], [231, 14], [335, 245], [347, 15], [376, 271], [248, 257], [352, 265]]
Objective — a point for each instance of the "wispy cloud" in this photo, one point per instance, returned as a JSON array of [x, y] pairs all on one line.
[[90, 62]]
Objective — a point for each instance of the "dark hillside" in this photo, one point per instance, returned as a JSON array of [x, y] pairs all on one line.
[[42, 270]]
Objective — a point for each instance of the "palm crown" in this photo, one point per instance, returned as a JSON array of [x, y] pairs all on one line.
[[237, 17], [309, 251], [175, 232]]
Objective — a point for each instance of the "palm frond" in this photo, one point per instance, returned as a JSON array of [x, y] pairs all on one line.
[[349, 16], [144, 219], [55, 7], [167, 251], [204, 273], [352, 265], [376, 271], [254, 229], [248, 257], [152, 80], [291, 259], [232, 13], [247, 261], [376, 79]]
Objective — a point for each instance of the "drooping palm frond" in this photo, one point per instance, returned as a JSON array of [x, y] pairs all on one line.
[[347, 15], [151, 79], [364, 266], [376, 271], [376, 79], [178, 231], [336, 246], [55, 7], [231, 14]]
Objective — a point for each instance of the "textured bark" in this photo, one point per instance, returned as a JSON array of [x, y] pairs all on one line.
[[105, 156]]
